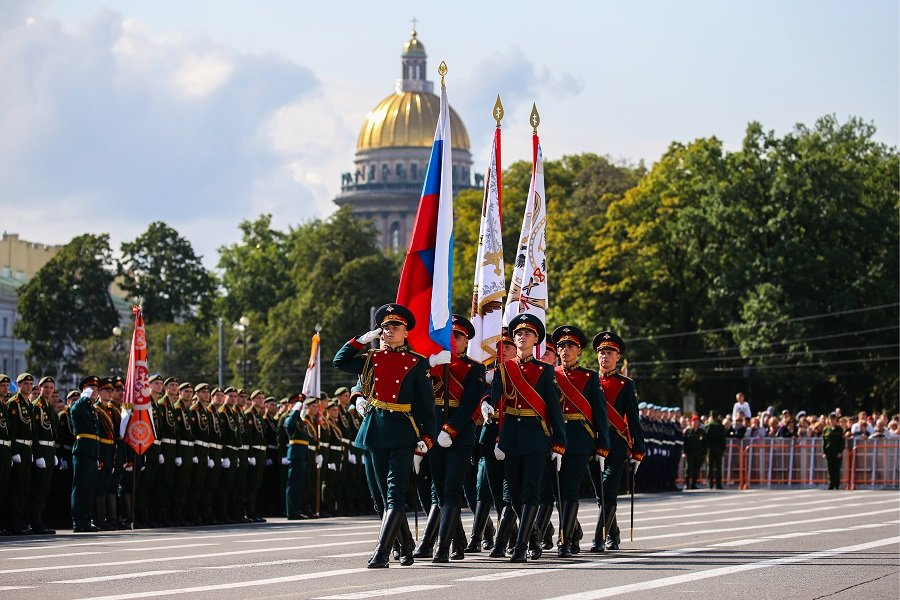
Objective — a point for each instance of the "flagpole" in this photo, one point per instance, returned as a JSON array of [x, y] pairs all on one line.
[[535, 119]]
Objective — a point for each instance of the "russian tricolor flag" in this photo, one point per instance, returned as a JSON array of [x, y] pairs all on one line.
[[427, 275]]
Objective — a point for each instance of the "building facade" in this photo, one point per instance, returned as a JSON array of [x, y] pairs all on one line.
[[392, 153]]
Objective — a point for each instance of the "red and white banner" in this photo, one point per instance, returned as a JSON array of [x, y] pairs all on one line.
[[137, 417]]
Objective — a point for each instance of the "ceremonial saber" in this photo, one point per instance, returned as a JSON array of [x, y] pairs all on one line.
[[602, 506], [631, 471], [562, 533]]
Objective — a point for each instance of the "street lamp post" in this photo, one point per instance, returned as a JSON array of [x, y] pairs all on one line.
[[243, 339], [117, 349]]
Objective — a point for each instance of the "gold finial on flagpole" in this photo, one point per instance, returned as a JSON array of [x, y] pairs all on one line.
[[535, 118], [498, 110], [442, 71]]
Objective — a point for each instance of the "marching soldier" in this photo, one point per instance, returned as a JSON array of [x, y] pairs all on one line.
[[21, 433], [185, 459], [45, 428], [531, 426], [298, 441], [6, 442], [833, 448], [458, 387], [200, 428], [107, 454], [256, 457], [626, 438], [400, 420], [85, 424], [587, 435], [694, 452]]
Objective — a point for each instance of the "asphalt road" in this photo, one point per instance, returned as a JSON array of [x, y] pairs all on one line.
[[754, 544]]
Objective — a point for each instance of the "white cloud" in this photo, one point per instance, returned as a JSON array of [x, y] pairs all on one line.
[[107, 127]]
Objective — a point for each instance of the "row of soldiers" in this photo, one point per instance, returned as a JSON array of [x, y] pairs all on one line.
[[220, 456]]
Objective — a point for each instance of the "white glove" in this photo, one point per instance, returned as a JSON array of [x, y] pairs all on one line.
[[489, 377], [251, 460], [421, 448], [635, 463], [319, 461], [285, 461], [17, 459], [557, 458], [226, 463], [361, 405], [40, 463], [417, 462], [486, 410], [195, 460], [332, 467], [298, 405], [162, 459], [602, 462], [129, 467], [444, 440], [368, 337], [498, 453], [210, 463], [63, 465], [55, 461], [441, 358], [268, 462], [87, 393], [177, 461], [364, 459], [351, 457]]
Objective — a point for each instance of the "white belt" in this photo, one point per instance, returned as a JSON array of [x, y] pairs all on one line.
[[26, 442], [186, 443], [169, 441], [324, 445], [201, 443], [47, 443], [272, 447], [5, 443], [345, 440], [235, 448], [215, 446], [262, 448], [244, 447], [311, 447], [156, 442]]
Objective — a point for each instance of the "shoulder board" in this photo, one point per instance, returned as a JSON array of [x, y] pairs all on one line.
[[422, 356], [620, 376]]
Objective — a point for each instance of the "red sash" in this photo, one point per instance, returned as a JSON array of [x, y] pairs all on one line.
[[616, 420], [524, 389], [574, 395]]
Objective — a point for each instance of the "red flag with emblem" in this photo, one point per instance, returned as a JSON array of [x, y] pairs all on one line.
[[137, 417]]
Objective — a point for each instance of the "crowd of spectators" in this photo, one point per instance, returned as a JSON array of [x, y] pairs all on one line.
[[742, 423]]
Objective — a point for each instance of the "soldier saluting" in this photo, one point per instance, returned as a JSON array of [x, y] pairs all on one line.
[[626, 438], [531, 426], [397, 430]]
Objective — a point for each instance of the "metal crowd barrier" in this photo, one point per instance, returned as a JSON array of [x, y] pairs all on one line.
[[799, 462]]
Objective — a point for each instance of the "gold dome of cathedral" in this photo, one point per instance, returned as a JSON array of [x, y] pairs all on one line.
[[408, 119]]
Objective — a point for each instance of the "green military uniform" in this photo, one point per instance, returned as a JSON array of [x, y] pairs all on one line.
[[626, 440], [148, 469], [353, 474], [297, 454], [314, 461], [20, 427], [694, 454], [168, 436], [525, 395], [587, 431], [214, 457], [332, 447], [229, 422], [241, 474], [45, 427], [200, 428], [715, 449], [107, 457], [271, 495], [256, 458], [6, 442], [283, 463], [186, 461], [85, 426], [400, 416], [833, 445]]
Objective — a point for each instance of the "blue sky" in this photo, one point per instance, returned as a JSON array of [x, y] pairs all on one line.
[[207, 112]]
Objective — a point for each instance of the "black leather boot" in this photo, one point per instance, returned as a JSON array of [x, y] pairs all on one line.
[[526, 528], [569, 514], [381, 558], [599, 538], [426, 545], [100, 514], [577, 534], [482, 512], [612, 532], [446, 532], [407, 544], [504, 531], [458, 545], [541, 525], [490, 531]]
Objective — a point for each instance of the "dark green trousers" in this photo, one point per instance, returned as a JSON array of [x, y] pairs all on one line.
[[296, 484], [525, 474], [84, 488], [490, 480], [392, 468], [834, 471], [448, 468], [574, 468], [41, 480]]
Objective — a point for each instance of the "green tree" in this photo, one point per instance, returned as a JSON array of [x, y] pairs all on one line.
[[161, 269], [66, 304]]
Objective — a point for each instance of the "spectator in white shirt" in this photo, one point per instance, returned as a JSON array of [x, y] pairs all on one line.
[[862, 427], [741, 407]]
